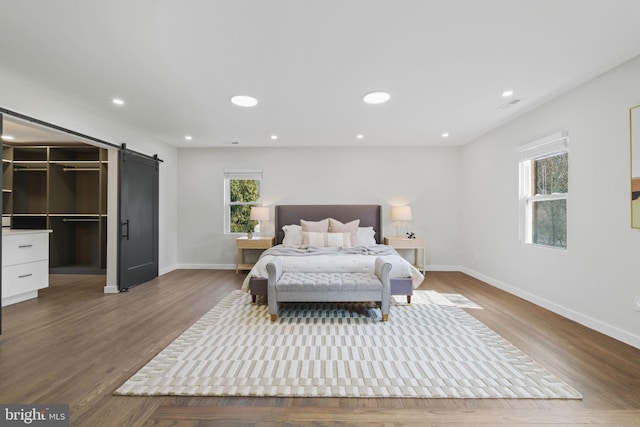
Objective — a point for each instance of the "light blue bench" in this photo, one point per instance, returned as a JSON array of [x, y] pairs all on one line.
[[328, 287]]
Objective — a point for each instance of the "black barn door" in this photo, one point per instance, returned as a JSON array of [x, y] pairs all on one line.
[[138, 219]]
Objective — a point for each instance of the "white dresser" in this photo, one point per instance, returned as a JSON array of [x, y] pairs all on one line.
[[25, 264]]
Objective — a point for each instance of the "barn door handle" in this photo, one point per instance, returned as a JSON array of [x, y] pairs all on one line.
[[126, 224]]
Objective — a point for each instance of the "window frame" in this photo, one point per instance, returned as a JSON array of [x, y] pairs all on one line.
[[553, 145], [230, 175]]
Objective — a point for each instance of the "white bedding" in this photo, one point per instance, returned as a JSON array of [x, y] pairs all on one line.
[[336, 261]]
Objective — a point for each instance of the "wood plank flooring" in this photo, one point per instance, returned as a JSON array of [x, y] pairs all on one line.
[[76, 345]]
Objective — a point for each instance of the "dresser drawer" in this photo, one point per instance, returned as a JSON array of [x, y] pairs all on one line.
[[21, 278], [21, 248]]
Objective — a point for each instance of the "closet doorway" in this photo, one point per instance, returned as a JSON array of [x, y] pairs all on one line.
[[58, 179], [53, 181]]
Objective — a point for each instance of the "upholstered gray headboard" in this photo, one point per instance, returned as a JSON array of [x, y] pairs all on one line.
[[369, 216]]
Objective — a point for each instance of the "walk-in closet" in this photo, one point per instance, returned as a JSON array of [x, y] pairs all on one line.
[[60, 185]]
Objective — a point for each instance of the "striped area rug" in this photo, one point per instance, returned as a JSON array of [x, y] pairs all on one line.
[[430, 349]]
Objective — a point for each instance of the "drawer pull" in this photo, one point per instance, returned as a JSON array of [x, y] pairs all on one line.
[[25, 275], [25, 246]]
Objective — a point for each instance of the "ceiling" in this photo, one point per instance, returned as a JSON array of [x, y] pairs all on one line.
[[176, 64]]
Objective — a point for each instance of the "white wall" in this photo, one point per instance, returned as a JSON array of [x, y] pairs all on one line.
[[428, 179], [51, 107], [597, 278]]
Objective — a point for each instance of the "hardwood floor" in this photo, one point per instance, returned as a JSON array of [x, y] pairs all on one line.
[[76, 345]]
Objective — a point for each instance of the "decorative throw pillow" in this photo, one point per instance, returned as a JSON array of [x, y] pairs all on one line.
[[326, 240], [338, 240], [366, 236], [315, 226], [336, 226], [292, 235]]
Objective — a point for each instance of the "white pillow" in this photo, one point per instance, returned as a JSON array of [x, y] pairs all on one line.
[[292, 235], [365, 236], [326, 240]]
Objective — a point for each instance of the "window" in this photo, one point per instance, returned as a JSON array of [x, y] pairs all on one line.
[[544, 191], [242, 189]]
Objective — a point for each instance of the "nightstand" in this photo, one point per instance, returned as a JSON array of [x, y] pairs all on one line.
[[404, 243], [242, 243]]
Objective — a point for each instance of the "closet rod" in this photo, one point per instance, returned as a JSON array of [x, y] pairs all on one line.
[[80, 220], [80, 169], [71, 132]]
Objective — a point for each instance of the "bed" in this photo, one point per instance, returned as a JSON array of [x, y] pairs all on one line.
[[356, 255]]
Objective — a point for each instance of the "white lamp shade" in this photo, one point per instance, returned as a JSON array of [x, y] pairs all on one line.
[[259, 213], [401, 213]]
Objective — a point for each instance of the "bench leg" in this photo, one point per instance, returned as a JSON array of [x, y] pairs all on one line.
[[253, 298], [274, 317], [385, 317], [408, 299]]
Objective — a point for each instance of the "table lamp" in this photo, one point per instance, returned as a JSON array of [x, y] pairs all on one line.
[[400, 215], [259, 213]]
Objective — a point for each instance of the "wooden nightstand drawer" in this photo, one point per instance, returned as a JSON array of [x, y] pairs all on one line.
[[254, 243], [404, 243]]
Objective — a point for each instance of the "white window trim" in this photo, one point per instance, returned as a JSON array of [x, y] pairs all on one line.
[[552, 145], [238, 174]]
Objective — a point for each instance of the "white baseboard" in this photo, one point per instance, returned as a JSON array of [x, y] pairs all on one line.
[[168, 269], [111, 289], [604, 328]]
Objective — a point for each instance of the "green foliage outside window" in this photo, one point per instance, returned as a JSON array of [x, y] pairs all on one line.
[[244, 193]]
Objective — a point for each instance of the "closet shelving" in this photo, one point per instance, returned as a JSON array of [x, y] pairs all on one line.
[[7, 182], [29, 187], [63, 188]]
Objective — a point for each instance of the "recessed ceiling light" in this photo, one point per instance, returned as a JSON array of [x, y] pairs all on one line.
[[188, 137], [445, 135], [359, 136], [117, 101], [507, 93], [377, 97], [274, 137], [7, 138], [244, 101]]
